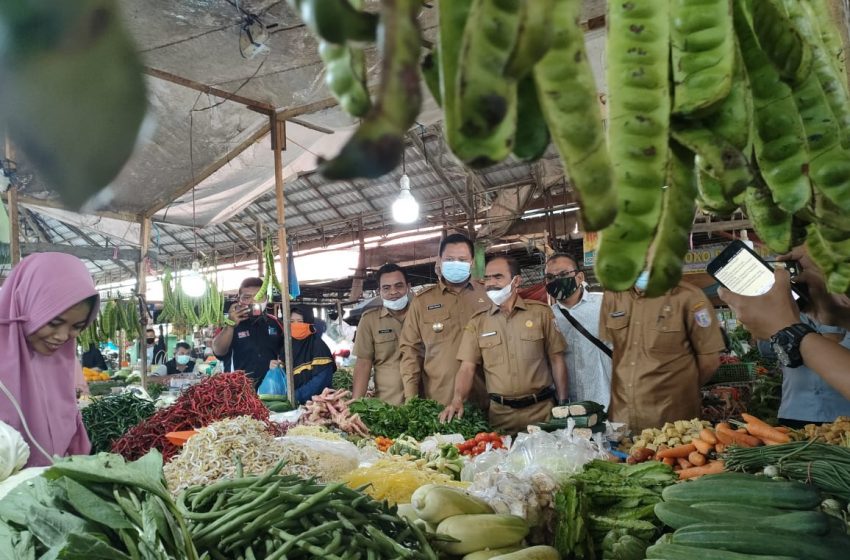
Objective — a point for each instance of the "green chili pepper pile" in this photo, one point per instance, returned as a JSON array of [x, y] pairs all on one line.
[[274, 516], [95, 507], [712, 104], [108, 418]]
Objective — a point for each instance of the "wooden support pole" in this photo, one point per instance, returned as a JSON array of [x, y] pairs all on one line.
[[141, 290], [14, 218], [278, 128], [260, 245]]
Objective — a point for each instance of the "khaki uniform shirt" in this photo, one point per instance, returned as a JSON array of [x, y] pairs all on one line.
[[430, 339], [514, 349], [377, 340], [656, 344]]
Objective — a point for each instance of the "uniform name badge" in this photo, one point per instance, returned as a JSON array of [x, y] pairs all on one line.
[[703, 317], [488, 334], [243, 334]]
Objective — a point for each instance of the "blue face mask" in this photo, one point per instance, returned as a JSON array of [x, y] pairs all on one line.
[[642, 280], [455, 271], [182, 359]]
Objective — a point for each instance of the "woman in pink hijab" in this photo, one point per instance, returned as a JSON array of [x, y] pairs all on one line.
[[44, 304]]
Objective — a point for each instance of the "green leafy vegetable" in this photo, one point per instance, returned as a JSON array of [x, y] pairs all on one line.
[[418, 418]]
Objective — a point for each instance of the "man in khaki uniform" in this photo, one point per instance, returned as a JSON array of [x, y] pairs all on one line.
[[376, 342], [665, 349], [521, 350], [434, 324]]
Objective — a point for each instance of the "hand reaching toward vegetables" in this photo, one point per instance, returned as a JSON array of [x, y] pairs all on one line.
[[454, 410]]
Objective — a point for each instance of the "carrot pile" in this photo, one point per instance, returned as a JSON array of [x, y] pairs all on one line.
[[701, 455]]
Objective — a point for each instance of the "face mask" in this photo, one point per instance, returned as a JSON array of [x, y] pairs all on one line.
[[182, 359], [455, 271], [562, 288], [149, 340], [642, 280], [300, 331], [500, 296], [396, 305]]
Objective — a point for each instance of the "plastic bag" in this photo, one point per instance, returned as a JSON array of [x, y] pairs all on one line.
[[274, 383]]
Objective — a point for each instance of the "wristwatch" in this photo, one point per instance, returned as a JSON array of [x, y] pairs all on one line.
[[786, 344]]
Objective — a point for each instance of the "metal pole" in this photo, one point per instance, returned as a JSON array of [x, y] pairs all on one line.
[[278, 145], [141, 290]]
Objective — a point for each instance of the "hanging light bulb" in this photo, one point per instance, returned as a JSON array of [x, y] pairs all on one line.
[[194, 284], [405, 208]]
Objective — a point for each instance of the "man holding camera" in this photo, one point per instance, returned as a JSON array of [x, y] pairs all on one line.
[[255, 341]]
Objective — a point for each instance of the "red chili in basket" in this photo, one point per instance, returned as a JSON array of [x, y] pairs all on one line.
[[226, 395]]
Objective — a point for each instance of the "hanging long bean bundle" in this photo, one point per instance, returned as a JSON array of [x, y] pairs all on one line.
[[826, 466]]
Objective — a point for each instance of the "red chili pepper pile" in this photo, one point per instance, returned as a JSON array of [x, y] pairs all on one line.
[[226, 395], [481, 443]]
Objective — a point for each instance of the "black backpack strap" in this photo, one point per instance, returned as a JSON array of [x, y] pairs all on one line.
[[578, 326]]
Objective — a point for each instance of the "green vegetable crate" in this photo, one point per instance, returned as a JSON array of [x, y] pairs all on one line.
[[734, 373]]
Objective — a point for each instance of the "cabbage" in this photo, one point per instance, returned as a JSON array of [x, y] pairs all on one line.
[[14, 451]]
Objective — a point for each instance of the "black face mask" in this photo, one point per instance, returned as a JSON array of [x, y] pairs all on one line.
[[149, 340], [562, 288]]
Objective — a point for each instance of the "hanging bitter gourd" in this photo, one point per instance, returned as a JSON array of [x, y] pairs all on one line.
[[638, 126]]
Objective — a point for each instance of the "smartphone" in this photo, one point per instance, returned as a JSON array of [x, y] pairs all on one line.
[[741, 270]]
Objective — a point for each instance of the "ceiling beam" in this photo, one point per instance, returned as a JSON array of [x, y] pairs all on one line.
[[56, 203], [439, 171], [93, 243], [198, 178], [42, 234], [252, 104], [247, 243], [84, 251]]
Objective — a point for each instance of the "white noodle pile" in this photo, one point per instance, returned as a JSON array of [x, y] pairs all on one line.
[[211, 454]]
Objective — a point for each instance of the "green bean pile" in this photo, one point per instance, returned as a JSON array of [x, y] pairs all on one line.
[[824, 465], [286, 517], [713, 105]]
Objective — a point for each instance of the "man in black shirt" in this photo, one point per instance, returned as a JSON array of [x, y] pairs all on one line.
[[182, 361], [257, 338]]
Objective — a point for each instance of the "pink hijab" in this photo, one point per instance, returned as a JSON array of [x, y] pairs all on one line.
[[41, 287]]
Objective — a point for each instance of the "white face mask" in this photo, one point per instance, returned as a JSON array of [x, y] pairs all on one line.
[[396, 304], [500, 296]]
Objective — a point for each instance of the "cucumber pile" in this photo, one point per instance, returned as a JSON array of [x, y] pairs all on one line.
[[734, 516], [712, 104]]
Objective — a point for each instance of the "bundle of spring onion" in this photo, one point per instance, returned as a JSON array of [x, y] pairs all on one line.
[[826, 466]]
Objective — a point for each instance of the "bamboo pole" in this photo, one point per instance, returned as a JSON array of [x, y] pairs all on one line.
[[260, 245], [278, 145], [141, 290], [14, 219]]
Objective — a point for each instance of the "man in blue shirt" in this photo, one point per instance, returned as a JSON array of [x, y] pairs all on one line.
[[806, 397]]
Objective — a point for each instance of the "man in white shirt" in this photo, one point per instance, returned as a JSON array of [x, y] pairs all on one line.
[[588, 364]]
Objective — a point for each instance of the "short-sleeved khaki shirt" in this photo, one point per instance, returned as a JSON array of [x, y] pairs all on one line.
[[513, 349], [656, 344], [377, 340], [430, 339]]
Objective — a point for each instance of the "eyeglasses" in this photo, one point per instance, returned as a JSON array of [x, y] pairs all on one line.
[[564, 274]]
